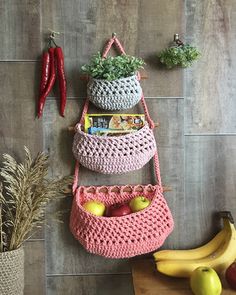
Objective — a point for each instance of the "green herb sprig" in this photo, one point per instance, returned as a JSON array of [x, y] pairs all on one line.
[[182, 56], [112, 68]]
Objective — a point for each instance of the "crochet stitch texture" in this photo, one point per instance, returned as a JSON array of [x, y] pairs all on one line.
[[114, 155], [126, 236], [119, 94], [12, 272]]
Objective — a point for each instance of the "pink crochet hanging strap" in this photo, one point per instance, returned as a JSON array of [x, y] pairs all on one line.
[[113, 41]]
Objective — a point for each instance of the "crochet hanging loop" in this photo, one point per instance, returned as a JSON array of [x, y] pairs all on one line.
[[113, 41]]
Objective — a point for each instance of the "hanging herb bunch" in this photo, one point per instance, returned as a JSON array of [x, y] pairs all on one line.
[[179, 54]]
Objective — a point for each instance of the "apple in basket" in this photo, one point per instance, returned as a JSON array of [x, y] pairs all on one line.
[[118, 210], [139, 203], [95, 207]]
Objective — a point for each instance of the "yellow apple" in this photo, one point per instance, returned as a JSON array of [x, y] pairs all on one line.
[[205, 281], [139, 203], [95, 207]]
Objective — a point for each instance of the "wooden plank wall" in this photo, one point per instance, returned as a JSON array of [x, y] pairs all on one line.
[[195, 108], [210, 125]]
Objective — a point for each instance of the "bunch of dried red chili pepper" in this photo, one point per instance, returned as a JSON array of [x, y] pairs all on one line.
[[52, 63]]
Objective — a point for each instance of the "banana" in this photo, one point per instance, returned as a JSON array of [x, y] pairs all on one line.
[[219, 259], [196, 253]]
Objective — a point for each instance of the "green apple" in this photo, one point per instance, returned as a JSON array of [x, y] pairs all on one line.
[[139, 203], [205, 281], [95, 207]]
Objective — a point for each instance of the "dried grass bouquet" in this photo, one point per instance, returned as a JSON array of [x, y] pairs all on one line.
[[24, 194]]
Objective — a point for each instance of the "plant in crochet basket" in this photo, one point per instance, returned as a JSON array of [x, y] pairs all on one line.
[[179, 54], [114, 82]]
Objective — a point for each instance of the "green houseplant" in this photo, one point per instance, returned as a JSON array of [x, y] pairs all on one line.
[[113, 83], [112, 68], [179, 54], [24, 194]]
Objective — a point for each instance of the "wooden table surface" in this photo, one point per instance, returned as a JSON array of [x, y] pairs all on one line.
[[147, 281]]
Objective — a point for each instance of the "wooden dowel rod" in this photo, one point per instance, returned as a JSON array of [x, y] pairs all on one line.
[[127, 190], [71, 128], [116, 190]]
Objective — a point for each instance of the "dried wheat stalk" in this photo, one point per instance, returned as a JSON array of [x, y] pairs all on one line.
[[24, 197]]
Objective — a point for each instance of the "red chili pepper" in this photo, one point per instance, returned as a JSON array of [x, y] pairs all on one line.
[[45, 71], [50, 83], [62, 79]]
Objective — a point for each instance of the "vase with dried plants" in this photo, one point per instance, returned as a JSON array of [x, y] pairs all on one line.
[[25, 192]]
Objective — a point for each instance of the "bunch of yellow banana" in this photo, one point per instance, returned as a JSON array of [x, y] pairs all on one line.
[[219, 253]]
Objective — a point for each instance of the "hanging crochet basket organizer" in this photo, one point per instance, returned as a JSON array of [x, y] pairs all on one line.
[[117, 154], [126, 236], [133, 234], [114, 95]]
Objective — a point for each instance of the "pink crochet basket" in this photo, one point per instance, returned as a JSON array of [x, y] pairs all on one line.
[[126, 236], [118, 154]]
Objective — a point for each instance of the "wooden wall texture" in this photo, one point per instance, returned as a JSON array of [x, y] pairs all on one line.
[[195, 108]]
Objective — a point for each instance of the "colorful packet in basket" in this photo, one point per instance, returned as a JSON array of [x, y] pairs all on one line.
[[113, 124]]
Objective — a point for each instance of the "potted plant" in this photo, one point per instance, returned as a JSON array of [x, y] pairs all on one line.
[[113, 83], [24, 193], [179, 54]]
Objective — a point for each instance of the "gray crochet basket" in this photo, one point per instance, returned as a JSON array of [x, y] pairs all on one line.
[[115, 95], [12, 272]]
